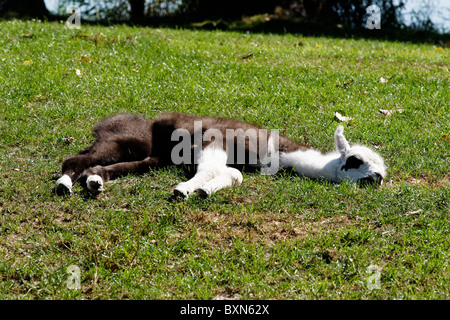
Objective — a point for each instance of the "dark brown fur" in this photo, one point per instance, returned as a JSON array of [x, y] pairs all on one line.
[[128, 143]]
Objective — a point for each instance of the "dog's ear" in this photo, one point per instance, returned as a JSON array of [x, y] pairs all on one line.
[[342, 145]]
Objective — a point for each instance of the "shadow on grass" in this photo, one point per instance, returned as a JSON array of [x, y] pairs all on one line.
[[304, 27]]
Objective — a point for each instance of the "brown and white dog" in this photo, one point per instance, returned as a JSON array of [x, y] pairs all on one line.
[[220, 149]]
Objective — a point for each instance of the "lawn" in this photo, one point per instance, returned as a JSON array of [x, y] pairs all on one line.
[[275, 237]]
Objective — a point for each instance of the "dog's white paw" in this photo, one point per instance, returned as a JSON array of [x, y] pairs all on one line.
[[183, 190], [63, 185], [203, 193], [95, 183]]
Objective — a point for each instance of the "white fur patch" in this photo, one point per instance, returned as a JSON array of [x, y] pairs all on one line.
[[212, 175], [212, 159], [374, 160], [64, 185], [229, 178], [312, 163], [95, 183], [316, 165], [184, 189]]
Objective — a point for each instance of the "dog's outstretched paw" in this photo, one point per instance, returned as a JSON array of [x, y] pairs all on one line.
[[95, 184], [179, 194], [202, 193], [63, 186], [182, 190]]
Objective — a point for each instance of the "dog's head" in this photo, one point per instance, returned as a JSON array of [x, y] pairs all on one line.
[[358, 164]]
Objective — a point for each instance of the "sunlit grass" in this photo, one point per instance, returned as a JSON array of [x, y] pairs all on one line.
[[275, 237]]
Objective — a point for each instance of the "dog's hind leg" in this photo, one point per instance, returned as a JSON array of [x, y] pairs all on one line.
[[72, 169], [230, 177], [101, 153], [212, 175]]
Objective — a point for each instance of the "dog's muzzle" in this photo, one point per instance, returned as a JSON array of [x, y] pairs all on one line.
[[377, 180]]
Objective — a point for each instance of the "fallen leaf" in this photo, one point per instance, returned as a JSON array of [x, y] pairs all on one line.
[[83, 36], [86, 58], [342, 118], [388, 113], [27, 36], [247, 56], [413, 212], [11, 38], [445, 136], [345, 84]]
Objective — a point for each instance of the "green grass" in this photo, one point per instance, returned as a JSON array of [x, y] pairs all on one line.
[[275, 237]]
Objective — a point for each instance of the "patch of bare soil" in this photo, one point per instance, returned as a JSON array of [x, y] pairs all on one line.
[[269, 228], [423, 180]]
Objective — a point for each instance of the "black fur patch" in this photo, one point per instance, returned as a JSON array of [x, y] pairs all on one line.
[[352, 163]]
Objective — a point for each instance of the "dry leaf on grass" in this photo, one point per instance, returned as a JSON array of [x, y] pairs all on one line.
[[409, 213], [388, 113], [386, 79], [247, 56], [342, 118]]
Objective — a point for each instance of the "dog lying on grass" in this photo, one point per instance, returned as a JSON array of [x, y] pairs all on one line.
[[218, 147]]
